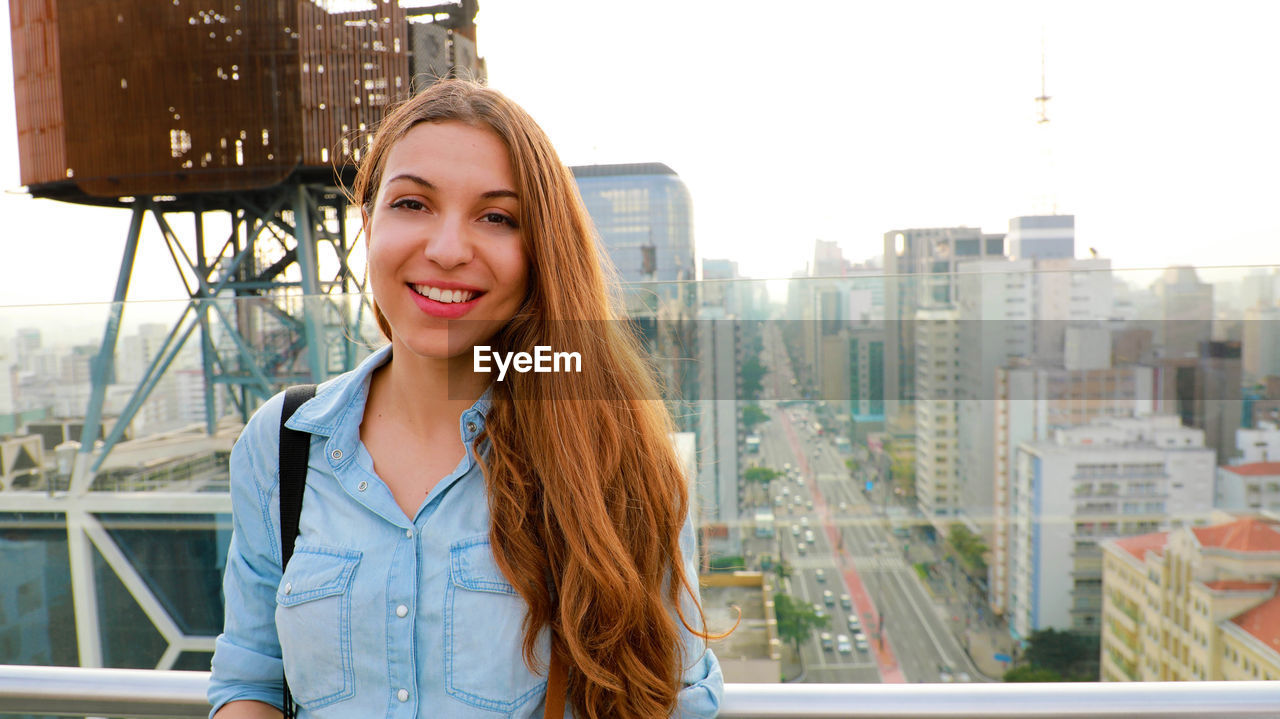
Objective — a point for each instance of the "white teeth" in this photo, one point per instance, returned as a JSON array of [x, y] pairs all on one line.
[[444, 296]]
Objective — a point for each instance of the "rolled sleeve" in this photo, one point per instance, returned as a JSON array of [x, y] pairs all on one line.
[[246, 659], [704, 686]]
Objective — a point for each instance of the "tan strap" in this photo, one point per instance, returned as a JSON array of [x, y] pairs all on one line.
[[557, 686]]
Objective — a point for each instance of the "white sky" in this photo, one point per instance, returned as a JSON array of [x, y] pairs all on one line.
[[833, 120]]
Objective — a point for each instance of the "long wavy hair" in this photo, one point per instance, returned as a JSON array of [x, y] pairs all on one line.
[[586, 494]]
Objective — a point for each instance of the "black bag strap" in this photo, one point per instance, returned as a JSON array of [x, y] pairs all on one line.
[[295, 447]]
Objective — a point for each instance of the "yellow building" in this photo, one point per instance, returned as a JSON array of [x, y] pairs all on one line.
[[1195, 603]]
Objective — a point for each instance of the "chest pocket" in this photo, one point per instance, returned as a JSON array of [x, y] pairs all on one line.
[[313, 620], [484, 667]]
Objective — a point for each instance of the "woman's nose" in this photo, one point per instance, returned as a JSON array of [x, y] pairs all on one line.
[[448, 245]]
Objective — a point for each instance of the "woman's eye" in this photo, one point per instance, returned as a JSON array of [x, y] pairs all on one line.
[[409, 204], [499, 218]]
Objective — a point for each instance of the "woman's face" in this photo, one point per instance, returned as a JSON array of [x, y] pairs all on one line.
[[446, 254]]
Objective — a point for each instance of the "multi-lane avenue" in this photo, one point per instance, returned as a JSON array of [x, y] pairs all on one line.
[[843, 555]]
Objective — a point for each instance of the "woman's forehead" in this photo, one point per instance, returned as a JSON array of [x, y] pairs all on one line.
[[449, 151]]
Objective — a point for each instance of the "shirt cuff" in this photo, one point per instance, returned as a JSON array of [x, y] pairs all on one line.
[[704, 686], [240, 673]]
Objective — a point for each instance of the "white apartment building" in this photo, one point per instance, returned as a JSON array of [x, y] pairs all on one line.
[[937, 352], [1114, 477], [1249, 487], [1260, 444], [1031, 402]]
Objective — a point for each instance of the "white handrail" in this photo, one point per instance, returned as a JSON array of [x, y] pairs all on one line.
[[73, 691]]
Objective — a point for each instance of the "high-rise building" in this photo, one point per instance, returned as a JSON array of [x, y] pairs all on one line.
[[995, 325], [1186, 313], [1112, 478], [1260, 343], [1194, 603], [919, 272], [1042, 237], [1205, 392], [644, 215], [936, 355], [717, 431], [866, 378]]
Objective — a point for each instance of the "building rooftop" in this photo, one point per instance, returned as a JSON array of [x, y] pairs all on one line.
[[1255, 469], [1239, 585], [1263, 622], [1243, 535], [1139, 546], [629, 168]]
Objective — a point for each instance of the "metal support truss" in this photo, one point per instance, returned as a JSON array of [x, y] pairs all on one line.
[[265, 317]]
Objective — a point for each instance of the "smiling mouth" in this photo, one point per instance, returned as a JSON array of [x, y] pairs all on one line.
[[447, 297]]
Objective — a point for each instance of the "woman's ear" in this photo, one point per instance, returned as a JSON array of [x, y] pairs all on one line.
[[364, 223]]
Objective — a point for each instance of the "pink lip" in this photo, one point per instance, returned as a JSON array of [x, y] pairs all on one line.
[[444, 310]]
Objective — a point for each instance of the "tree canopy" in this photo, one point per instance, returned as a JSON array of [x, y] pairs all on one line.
[[796, 619], [760, 474]]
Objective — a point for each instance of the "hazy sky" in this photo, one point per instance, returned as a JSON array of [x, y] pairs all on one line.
[[792, 122]]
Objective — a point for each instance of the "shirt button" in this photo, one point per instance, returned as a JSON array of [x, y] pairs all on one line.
[[362, 486], [408, 533], [336, 454], [471, 427], [402, 611], [288, 587], [403, 695]]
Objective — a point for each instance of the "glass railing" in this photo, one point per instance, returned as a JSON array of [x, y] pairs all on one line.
[[901, 463]]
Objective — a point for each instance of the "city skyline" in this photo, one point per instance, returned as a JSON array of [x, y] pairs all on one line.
[[1156, 149]]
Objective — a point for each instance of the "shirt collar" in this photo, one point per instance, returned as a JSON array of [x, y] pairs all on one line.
[[336, 398]]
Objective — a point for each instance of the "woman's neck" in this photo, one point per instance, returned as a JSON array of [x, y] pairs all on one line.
[[427, 394]]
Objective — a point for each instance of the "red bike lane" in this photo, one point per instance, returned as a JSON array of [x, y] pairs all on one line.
[[890, 671]]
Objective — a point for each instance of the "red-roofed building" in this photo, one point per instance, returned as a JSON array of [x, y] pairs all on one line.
[[1248, 487], [1195, 603]]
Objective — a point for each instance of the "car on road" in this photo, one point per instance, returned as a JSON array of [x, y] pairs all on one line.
[[801, 548], [846, 602], [944, 673], [819, 612], [842, 644], [828, 598], [963, 677], [809, 536], [820, 575], [804, 521], [808, 504], [786, 491], [860, 641], [795, 530], [854, 624], [844, 506], [777, 501], [827, 644]]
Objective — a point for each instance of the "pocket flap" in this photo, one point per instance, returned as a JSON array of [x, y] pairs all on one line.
[[472, 566], [315, 573]]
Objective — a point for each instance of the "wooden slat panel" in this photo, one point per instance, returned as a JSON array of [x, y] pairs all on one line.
[[152, 97], [362, 53], [38, 94]]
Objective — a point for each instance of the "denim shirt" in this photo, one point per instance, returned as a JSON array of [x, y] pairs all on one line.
[[377, 614]]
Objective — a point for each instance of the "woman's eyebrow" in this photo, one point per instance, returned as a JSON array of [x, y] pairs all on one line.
[[491, 194]]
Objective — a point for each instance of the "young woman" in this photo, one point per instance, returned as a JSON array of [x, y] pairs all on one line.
[[457, 530]]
